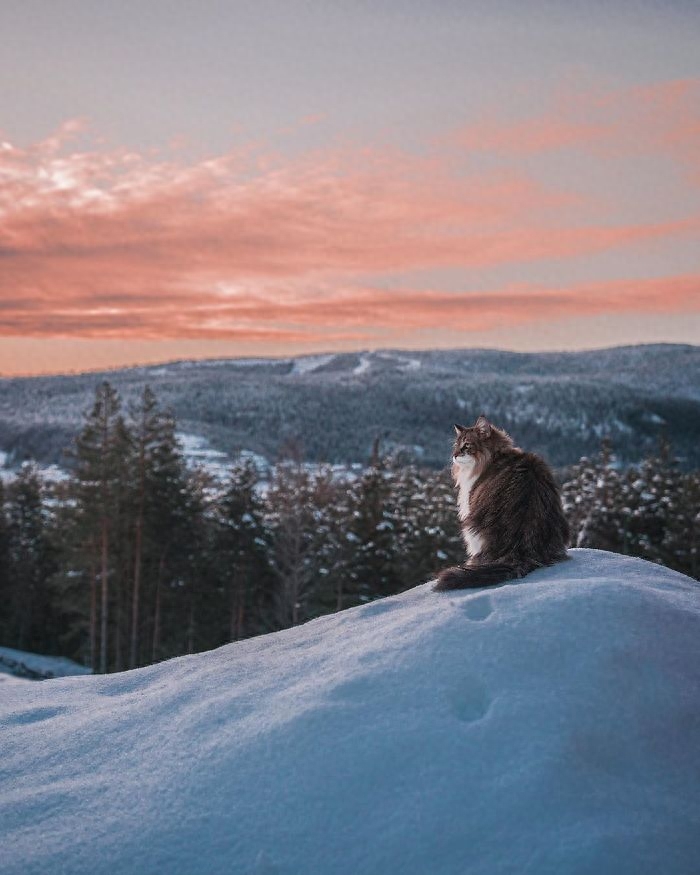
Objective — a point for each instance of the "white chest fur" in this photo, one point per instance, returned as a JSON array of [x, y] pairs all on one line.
[[466, 477]]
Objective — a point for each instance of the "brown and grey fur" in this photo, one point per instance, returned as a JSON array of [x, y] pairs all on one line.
[[510, 508]]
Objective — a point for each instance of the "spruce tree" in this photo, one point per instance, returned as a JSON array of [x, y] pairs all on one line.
[[31, 561], [172, 538], [102, 452], [5, 622], [242, 548], [299, 524], [372, 534], [427, 530], [157, 485]]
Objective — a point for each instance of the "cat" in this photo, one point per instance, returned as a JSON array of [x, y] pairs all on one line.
[[509, 506]]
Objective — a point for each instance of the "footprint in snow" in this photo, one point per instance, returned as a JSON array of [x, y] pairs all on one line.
[[478, 608], [353, 690], [129, 683], [34, 715], [375, 608], [470, 700]]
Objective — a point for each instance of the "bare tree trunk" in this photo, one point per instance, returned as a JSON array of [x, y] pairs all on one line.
[[239, 619], [233, 611], [190, 627], [237, 614], [339, 595], [156, 617], [93, 618], [136, 595], [138, 548], [295, 598], [105, 596], [118, 628]]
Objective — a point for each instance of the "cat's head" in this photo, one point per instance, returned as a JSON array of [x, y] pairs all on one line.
[[475, 445]]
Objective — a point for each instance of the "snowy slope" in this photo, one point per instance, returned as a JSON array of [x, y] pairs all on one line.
[[36, 666], [557, 404], [548, 726]]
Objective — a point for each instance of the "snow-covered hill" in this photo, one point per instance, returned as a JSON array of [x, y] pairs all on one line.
[[547, 726], [331, 408]]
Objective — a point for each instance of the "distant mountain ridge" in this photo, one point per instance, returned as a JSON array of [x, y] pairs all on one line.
[[332, 407]]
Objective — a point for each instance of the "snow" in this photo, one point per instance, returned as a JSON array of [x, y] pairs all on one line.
[[404, 363], [364, 365], [545, 726], [51, 474], [309, 363], [198, 453], [24, 664]]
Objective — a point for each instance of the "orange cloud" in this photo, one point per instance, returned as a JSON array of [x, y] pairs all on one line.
[[116, 244], [349, 314]]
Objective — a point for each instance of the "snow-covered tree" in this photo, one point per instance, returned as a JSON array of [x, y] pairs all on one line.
[[29, 562]]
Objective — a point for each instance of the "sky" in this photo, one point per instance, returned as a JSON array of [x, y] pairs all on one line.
[[208, 179]]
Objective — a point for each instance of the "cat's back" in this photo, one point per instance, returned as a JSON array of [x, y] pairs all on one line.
[[518, 480], [521, 467], [519, 494]]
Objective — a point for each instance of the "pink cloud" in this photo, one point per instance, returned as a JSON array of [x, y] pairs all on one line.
[[658, 118], [98, 243], [351, 314]]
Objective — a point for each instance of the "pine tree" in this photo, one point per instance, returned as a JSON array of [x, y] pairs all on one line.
[[243, 545], [5, 621], [157, 486], [299, 523], [427, 526], [685, 526], [31, 560], [591, 497], [336, 550], [372, 533], [102, 453], [174, 537]]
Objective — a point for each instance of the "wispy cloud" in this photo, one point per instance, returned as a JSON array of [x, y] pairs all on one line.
[[361, 314], [115, 243], [658, 118]]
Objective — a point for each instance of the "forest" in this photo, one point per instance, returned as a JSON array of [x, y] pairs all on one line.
[[136, 557], [333, 407]]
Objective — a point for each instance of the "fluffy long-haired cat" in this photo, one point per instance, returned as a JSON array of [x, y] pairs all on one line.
[[510, 508]]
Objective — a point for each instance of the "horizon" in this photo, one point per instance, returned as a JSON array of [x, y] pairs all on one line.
[[286, 180], [327, 352]]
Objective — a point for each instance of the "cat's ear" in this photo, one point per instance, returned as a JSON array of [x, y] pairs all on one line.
[[483, 427], [459, 429]]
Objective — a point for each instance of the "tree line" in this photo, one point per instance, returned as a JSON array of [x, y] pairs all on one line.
[[135, 557]]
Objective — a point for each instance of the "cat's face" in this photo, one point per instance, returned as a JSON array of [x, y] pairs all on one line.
[[476, 444]]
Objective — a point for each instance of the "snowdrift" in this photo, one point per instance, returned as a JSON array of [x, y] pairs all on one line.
[[546, 726]]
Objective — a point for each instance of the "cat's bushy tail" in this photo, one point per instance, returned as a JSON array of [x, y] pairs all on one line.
[[472, 576]]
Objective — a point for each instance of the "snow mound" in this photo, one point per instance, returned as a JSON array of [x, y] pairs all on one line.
[[549, 726]]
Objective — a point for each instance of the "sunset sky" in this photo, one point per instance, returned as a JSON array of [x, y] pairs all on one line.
[[204, 179]]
